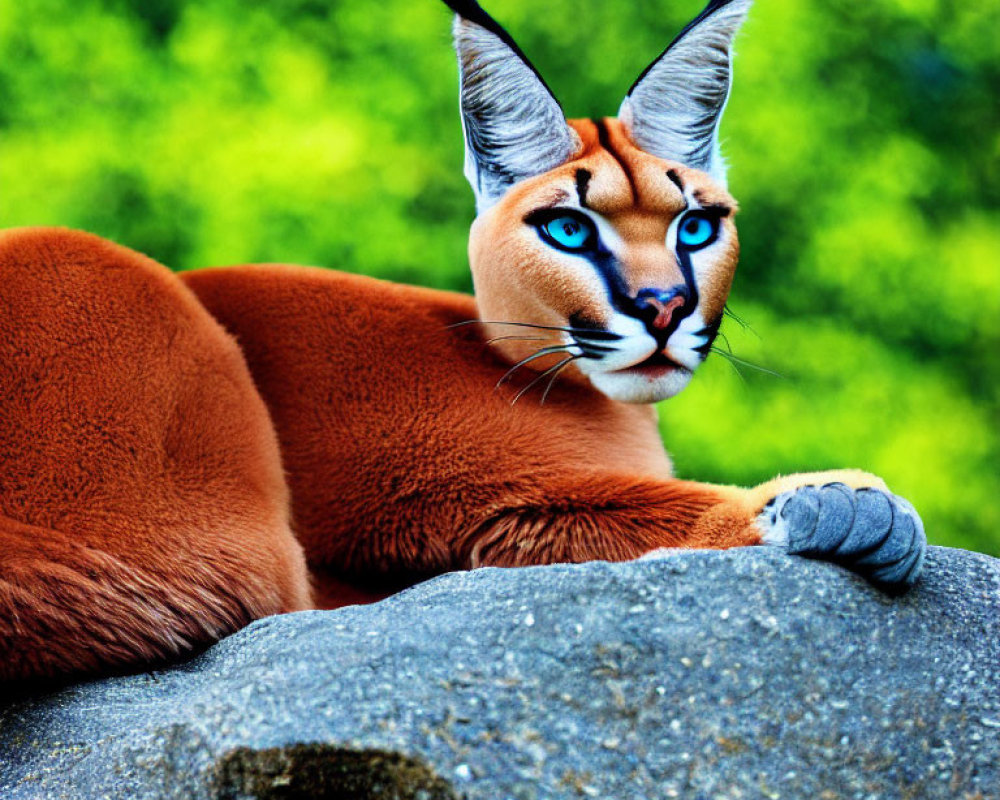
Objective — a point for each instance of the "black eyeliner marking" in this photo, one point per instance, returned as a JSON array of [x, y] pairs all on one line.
[[582, 181], [717, 208], [540, 217], [605, 139], [720, 209]]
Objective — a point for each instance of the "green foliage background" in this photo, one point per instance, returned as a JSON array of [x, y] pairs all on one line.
[[864, 141]]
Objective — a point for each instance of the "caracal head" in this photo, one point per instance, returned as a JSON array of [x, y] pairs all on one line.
[[603, 250]]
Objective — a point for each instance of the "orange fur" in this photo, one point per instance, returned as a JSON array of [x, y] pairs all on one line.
[[143, 505], [142, 509], [404, 460], [519, 278]]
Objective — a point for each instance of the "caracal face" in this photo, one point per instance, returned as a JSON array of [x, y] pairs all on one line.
[[603, 250], [630, 255]]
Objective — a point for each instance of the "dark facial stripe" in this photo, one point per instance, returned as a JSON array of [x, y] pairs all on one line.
[[711, 331], [607, 266], [582, 181], [605, 139], [687, 270], [675, 179]]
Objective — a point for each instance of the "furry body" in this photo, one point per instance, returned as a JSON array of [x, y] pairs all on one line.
[[405, 460], [142, 506], [144, 509]]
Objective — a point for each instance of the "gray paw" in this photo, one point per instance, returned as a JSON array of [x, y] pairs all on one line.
[[871, 532]]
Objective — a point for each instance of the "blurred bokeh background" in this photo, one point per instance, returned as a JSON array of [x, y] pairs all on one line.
[[863, 138]]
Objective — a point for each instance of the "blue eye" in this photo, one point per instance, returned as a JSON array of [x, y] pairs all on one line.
[[696, 231], [571, 232]]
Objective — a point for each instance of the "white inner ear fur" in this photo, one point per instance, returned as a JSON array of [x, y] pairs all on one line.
[[514, 128], [674, 111]]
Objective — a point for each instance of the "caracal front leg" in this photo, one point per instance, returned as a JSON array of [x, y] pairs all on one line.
[[847, 517]]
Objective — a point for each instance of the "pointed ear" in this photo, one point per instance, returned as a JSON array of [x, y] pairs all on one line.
[[514, 126], [673, 110]]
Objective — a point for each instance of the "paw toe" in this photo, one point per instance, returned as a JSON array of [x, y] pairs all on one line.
[[870, 525], [797, 513], [837, 520], [897, 563]]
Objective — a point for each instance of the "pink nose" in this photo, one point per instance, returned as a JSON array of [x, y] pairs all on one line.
[[664, 310]]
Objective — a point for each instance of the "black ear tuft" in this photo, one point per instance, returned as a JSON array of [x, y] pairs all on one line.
[[473, 12], [674, 108], [514, 126]]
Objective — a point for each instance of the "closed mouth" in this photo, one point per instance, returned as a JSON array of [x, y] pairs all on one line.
[[655, 365]]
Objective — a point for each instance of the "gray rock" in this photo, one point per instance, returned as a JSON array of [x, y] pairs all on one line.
[[740, 674]]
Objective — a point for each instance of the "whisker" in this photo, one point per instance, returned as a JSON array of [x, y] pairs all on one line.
[[736, 360], [590, 350], [586, 333], [736, 369], [558, 368], [541, 377], [739, 320], [595, 350], [521, 339], [725, 338], [545, 351]]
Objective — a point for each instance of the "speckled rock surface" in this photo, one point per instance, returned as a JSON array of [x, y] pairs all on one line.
[[744, 674]]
